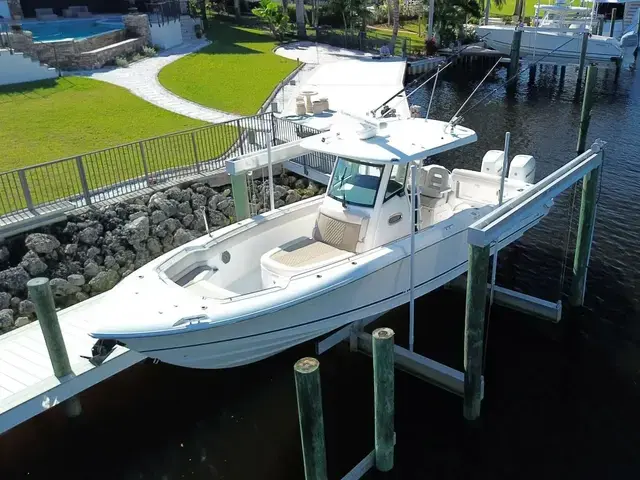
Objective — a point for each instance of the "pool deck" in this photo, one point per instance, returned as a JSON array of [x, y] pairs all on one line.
[[352, 81]]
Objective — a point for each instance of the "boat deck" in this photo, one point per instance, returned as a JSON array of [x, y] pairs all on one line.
[[28, 385]]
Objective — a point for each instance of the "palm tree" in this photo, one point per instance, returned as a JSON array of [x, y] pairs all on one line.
[[236, 8], [396, 25], [389, 10]]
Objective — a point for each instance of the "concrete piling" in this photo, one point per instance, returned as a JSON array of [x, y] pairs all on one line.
[[42, 297], [383, 392], [240, 194], [474, 329], [309, 395]]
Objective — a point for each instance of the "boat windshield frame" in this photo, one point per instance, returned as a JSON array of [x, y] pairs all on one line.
[[336, 177]]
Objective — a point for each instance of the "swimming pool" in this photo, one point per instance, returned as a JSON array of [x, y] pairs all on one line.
[[72, 29]]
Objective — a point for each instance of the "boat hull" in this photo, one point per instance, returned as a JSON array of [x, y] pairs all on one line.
[[549, 46], [252, 339]]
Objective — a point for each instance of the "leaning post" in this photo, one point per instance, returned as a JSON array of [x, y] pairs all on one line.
[[240, 195], [587, 219], [42, 297], [474, 329], [309, 395], [383, 393]]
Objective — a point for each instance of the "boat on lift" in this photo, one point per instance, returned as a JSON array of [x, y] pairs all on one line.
[[556, 36], [255, 288]]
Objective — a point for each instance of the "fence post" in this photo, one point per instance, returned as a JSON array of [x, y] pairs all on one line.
[[240, 139], [143, 156], [83, 180], [40, 293], [195, 151], [25, 189]]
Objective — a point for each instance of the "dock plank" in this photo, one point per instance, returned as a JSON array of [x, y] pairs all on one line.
[[28, 385], [23, 363], [17, 374], [10, 384]]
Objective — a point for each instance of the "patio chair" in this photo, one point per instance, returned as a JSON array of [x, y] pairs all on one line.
[[46, 14], [80, 11]]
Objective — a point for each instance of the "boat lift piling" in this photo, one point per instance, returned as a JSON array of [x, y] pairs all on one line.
[[41, 295], [383, 397], [309, 397], [583, 57], [514, 58], [588, 205], [614, 12]]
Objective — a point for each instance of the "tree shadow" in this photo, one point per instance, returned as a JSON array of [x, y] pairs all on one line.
[[34, 90]]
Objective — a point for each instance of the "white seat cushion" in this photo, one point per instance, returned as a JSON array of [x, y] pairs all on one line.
[[299, 255]]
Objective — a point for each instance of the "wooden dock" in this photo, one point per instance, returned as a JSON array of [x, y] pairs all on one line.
[[28, 385]]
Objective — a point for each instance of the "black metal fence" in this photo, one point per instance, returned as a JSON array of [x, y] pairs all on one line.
[[107, 174], [369, 41], [162, 12]]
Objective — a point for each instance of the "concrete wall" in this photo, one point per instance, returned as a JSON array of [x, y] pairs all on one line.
[[167, 35], [17, 68]]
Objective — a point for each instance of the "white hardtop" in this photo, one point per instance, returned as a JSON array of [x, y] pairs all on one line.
[[395, 141]]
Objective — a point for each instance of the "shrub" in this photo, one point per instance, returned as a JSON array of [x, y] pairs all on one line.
[[121, 62], [198, 29], [149, 51], [136, 57]]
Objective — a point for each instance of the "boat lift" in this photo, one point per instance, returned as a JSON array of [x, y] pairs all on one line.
[[483, 236]]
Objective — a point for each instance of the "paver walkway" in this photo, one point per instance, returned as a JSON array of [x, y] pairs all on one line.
[[141, 79]]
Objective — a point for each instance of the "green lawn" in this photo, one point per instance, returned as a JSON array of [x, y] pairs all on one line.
[[72, 116], [236, 73], [49, 120], [529, 9]]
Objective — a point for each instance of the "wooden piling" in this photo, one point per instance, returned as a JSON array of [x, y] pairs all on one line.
[[40, 294], [383, 392], [309, 395], [587, 219], [587, 103], [474, 329], [614, 12], [563, 71], [583, 57], [240, 194], [532, 73], [514, 62], [600, 27]]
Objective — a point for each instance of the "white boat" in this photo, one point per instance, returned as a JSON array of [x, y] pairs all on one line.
[[267, 283], [556, 37]]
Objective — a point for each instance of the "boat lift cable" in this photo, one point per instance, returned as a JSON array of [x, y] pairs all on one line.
[[475, 89], [494, 266], [449, 61], [566, 243], [517, 74]]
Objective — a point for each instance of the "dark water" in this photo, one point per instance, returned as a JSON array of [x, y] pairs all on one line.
[[561, 401]]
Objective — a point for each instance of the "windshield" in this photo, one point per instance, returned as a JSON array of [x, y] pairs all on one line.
[[355, 183]]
